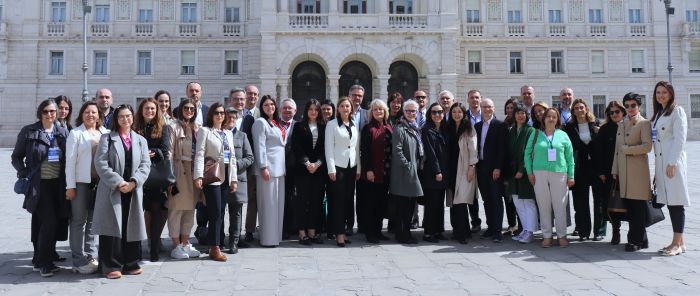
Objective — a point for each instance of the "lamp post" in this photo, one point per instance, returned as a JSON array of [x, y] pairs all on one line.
[[669, 11], [86, 10]]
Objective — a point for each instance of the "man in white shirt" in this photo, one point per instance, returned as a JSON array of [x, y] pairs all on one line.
[[251, 101], [421, 98], [566, 96], [474, 101], [236, 100], [194, 92]]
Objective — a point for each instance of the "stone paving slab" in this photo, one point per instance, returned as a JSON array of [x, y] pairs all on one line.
[[446, 268]]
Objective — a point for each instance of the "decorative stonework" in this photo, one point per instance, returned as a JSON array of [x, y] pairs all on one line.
[[576, 11], [123, 10], [535, 10], [167, 10], [209, 10], [495, 10], [616, 10]]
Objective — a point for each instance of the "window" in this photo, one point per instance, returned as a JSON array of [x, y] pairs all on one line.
[[599, 106], [597, 62], [308, 6], [58, 12], [101, 63], [691, 16], [694, 60], [637, 56], [401, 6], [595, 16], [355, 6], [144, 62], [555, 16], [56, 63], [635, 16], [695, 106], [556, 102], [557, 62], [233, 15], [101, 13], [514, 17], [516, 62], [2, 5], [473, 16], [474, 61], [231, 60], [145, 15], [189, 13], [187, 62]]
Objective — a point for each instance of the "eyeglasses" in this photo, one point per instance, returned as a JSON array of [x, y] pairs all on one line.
[[436, 112], [409, 111], [616, 111], [220, 113], [47, 112], [188, 109], [631, 106]]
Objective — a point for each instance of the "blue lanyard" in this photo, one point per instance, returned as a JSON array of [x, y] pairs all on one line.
[[550, 141], [52, 136], [224, 139]]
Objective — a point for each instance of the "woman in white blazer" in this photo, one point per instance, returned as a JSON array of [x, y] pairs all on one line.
[[669, 130], [81, 181], [269, 139], [342, 150], [214, 140]]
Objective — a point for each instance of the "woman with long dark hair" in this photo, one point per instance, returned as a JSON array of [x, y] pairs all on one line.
[[165, 105], [65, 109], [519, 188], [434, 175], [150, 124], [395, 104]]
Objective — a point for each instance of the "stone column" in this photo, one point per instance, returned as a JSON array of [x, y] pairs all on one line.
[[383, 84], [283, 81], [333, 80]]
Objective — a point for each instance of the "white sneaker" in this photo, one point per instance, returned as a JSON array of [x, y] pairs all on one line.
[[527, 238], [179, 252], [88, 268], [191, 251]]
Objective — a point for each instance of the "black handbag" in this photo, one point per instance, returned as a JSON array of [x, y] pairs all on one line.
[[160, 176], [654, 212], [615, 203]]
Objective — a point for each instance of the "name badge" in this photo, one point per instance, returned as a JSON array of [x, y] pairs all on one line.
[[54, 154], [227, 156], [552, 154], [653, 134]]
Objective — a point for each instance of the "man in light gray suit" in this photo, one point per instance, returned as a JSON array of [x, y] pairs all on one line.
[[244, 159]]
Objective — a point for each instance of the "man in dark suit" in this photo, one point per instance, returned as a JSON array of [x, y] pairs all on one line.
[[194, 92], [243, 100], [492, 135], [244, 159], [288, 109]]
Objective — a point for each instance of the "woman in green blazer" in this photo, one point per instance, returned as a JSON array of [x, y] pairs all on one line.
[[519, 187]]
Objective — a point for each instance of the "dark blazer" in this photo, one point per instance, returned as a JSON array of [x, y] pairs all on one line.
[[582, 151], [247, 128], [31, 149], [495, 149], [244, 159], [289, 157], [302, 148], [436, 158], [603, 150]]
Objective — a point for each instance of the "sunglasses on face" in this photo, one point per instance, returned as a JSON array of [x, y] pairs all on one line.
[[631, 106], [617, 111], [219, 113], [188, 109], [436, 112], [46, 112], [421, 97]]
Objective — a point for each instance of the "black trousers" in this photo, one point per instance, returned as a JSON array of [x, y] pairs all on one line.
[[235, 222], [376, 199], [433, 210], [362, 198], [289, 219], [116, 253], [308, 203], [511, 213], [473, 212], [404, 213], [600, 206], [46, 216], [582, 211], [491, 192], [341, 203], [459, 218], [677, 214], [216, 210], [637, 217]]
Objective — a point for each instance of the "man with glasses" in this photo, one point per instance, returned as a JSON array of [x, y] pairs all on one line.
[[421, 98], [251, 101]]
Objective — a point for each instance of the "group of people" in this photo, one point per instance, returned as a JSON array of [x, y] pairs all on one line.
[[115, 178]]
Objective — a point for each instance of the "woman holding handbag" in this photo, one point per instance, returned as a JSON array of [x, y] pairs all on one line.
[[215, 142], [150, 124], [81, 182], [671, 128], [631, 169]]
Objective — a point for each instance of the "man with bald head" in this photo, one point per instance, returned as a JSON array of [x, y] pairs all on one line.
[[422, 98], [251, 101], [104, 101], [492, 139], [527, 96], [566, 97]]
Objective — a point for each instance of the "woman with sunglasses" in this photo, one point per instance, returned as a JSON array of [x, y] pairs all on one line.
[[39, 155], [434, 174], [123, 165], [631, 169], [215, 141], [602, 158]]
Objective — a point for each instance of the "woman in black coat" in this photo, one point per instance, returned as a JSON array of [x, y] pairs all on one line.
[[602, 158], [310, 172], [40, 156], [434, 174]]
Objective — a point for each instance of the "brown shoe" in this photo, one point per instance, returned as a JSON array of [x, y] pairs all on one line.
[[135, 271], [547, 242], [216, 255]]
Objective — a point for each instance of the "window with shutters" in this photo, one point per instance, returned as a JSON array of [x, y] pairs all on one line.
[[637, 56], [187, 62], [474, 61], [635, 16], [401, 6], [188, 13], [555, 16], [101, 13], [597, 62], [145, 16], [695, 106], [473, 9], [694, 60], [691, 16], [232, 15], [355, 6], [595, 16]]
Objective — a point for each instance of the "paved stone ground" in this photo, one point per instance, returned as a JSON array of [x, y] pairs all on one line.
[[446, 268]]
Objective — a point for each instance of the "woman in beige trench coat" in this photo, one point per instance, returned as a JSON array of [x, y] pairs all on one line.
[[631, 168]]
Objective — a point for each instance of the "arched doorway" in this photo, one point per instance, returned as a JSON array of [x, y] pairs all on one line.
[[356, 72], [403, 78], [308, 82]]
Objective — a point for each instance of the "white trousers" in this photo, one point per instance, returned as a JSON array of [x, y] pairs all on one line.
[[270, 200], [527, 211], [551, 194]]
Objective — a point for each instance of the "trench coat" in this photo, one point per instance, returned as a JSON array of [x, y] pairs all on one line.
[[465, 191], [109, 163], [631, 163], [669, 149], [182, 158]]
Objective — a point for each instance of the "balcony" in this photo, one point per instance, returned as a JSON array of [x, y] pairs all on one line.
[[692, 29], [598, 30], [144, 30], [515, 30], [556, 30], [99, 30], [308, 21], [408, 21], [232, 30], [637, 30], [188, 30], [56, 29], [473, 30]]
